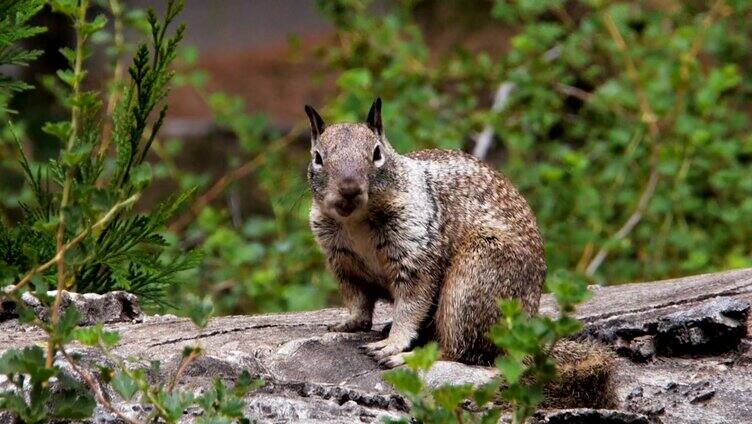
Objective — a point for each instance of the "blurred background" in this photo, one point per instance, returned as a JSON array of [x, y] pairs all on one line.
[[626, 125]]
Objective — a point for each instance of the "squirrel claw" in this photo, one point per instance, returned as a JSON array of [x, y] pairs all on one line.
[[350, 326], [393, 361], [372, 348]]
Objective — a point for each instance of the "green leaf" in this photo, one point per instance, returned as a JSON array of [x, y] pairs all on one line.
[[29, 360], [94, 335], [511, 368], [245, 384], [567, 326], [97, 24], [491, 417], [61, 130], [405, 381], [124, 385], [199, 310], [73, 401], [422, 358], [140, 175], [450, 397], [485, 393], [67, 76], [67, 324], [76, 155]]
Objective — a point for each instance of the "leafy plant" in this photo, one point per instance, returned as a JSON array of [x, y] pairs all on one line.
[[78, 227], [219, 404], [266, 261], [14, 27], [527, 365]]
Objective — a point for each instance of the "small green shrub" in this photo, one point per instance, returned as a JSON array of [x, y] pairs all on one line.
[[79, 232], [14, 27], [526, 366], [81, 226]]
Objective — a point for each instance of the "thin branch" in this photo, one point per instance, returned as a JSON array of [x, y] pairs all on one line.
[[80, 21], [182, 367], [718, 9], [221, 184], [629, 225], [116, 8], [9, 290], [484, 140], [97, 389], [649, 117], [575, 92]]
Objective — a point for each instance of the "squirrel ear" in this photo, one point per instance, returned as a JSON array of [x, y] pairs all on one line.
[[317, 124], [374, 117]]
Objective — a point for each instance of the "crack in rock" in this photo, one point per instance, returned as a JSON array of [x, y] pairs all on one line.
[[712, 327], [588, 416], [224, 331]]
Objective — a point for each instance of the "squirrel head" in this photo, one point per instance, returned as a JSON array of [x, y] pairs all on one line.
[[350, 163]]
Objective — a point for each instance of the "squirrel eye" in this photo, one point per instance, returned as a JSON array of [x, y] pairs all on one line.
[[317, 159], [377, 154]]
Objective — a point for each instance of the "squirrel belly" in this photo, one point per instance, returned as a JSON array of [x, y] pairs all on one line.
[[439, 233]]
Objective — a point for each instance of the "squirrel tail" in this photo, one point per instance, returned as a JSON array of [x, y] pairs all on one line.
[[584, 373]]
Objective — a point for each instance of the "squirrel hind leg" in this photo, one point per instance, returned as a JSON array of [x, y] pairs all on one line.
[[487, 266]]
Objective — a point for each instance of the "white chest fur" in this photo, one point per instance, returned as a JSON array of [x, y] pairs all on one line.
[[357, 236]]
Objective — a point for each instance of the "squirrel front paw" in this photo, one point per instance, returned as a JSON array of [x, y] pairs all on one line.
[[350, 326], [386, 348]]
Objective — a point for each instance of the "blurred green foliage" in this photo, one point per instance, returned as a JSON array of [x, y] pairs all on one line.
[[627, 128], [78, 219]]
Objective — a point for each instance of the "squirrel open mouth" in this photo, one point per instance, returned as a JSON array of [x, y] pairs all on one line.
[[345, 208]]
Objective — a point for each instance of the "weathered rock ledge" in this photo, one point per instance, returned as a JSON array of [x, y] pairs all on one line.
[[683, 346]]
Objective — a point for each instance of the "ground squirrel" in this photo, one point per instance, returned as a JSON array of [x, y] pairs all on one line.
[[438, 233]]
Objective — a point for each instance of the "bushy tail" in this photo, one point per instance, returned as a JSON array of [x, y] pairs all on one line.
[[584, 372]]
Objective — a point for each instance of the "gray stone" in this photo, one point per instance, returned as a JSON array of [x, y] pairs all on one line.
[[445, 372], [117, 306], [315, 376], [713, 326], [588, 416]]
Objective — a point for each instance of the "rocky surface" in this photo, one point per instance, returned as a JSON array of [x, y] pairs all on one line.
[[588, 416], [117, 306], [684, 349]]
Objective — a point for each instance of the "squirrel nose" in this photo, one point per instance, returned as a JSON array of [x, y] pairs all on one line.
[[349, 190]]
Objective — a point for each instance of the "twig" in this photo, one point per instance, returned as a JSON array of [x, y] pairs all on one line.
[[718, 9], [96, 388], [484, 140], [221, 184], [629, 225], [9, 290], [575, 92], [80, 21], [649, 117], [117, 77], [182, 367]]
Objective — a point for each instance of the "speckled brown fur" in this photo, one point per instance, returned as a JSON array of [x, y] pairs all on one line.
[[439, 233]]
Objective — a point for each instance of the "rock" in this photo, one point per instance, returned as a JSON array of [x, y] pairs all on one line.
[[445, 372], [117, 306], [714, 326], [588, 416], [703, 396], [315, 376]]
